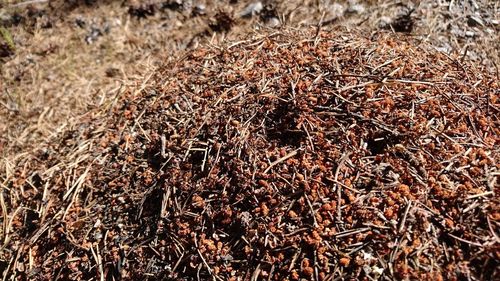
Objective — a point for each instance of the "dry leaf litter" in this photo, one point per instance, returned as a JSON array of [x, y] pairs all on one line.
[[313, 155]]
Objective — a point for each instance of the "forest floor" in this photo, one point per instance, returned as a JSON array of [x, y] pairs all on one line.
[[68, 68], [70, 56]]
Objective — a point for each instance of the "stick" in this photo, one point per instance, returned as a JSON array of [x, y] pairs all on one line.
[[339, 190], [28, 3], [289, 155]]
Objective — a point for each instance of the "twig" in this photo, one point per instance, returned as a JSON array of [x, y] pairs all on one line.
[[351, 232], [405, 215], [163, 146], [28, 3], [294, 259], [284, 158], [97, 257], [339, 190], [313, 214], [465, 241], [487, 193]]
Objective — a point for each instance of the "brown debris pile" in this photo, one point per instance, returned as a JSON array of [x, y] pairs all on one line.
[[286, 156]]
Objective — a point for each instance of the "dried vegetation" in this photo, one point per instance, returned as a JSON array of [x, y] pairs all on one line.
[[287, 154], [291, 155]]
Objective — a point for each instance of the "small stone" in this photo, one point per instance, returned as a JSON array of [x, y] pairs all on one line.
[[252, 9], [336, 10], [355, 8], [199, 10], [97, 223], [273, 22], [98, 235]]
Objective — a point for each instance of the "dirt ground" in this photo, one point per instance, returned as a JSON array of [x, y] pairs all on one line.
[[65, 64]]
